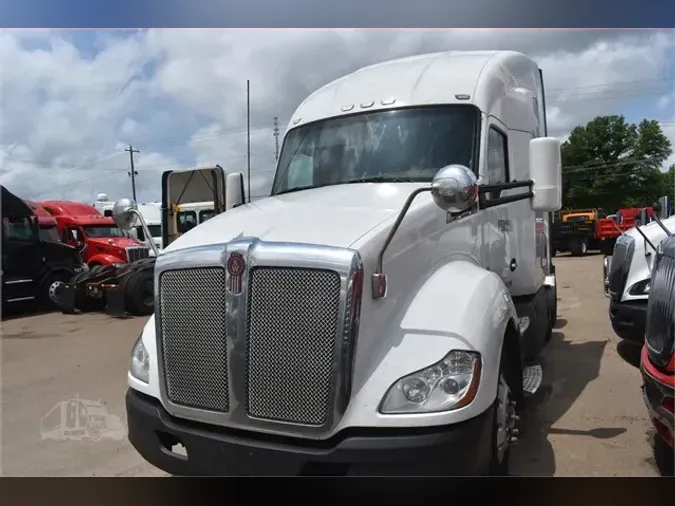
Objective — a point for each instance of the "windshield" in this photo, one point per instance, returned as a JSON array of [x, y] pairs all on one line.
[[155, 230], [399, 145], [186, 220], [102, 231], [206, 215], [49, 233]]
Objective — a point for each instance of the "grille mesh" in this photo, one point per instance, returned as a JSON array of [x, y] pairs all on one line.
[[194, 343], [137, 253], [292, 332], [618, 271], [661, 307]]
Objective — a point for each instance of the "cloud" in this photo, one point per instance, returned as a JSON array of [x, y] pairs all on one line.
[[71, 106]]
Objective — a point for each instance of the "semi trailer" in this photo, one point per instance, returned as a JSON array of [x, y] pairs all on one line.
[[384, 309]]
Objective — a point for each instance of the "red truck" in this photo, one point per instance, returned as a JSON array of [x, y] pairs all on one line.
[[611, 227], [47, 226], [99, 239]]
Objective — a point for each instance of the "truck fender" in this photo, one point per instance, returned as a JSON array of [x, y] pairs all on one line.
[[104, 259], [460, 306]]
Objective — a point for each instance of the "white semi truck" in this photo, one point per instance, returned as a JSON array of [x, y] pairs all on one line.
[[627, 275], [383, 310]]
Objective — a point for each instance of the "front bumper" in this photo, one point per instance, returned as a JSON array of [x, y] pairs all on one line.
[[658, 391], [463, 449], [629, 320]]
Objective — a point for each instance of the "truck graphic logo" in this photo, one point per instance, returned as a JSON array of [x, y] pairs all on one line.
[[79, 419], [235, 267]]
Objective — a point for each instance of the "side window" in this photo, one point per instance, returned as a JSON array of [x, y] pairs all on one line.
[[535, 105], [497, 159], [17, 228]]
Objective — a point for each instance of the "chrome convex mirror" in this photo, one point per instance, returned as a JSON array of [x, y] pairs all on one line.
[[123, 213], [454, 188]]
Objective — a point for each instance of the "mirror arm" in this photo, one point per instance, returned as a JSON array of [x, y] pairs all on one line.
[[146, 231], [378, 279]]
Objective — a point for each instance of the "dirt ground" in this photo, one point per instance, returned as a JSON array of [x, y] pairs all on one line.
[[587, 419]]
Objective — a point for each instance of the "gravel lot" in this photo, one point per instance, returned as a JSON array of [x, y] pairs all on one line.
[[587, 419]]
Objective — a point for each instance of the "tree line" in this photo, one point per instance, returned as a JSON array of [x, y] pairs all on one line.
[[610, 163]]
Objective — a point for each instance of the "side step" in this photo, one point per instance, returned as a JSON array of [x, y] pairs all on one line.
[[532, 378]]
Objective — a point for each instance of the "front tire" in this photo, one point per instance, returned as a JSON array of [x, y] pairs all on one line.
[[503, 423]]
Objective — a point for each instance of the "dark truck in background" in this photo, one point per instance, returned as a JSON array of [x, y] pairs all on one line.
[[34, 269], [576, 232]]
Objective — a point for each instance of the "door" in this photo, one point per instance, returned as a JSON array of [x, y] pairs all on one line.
[[496, 170], [22, 259]]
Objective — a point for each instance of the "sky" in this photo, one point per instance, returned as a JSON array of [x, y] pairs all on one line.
[[73, 101]]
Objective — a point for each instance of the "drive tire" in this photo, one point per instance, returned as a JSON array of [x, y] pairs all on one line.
[[49, 289], [139, 292]]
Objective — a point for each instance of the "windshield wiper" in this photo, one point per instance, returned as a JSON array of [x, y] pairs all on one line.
[[377, 179], [386, 179]]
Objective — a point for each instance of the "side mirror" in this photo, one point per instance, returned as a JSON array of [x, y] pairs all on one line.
[[133, 233], [124, 213], [546, 172], [454, 188], [234, 190]]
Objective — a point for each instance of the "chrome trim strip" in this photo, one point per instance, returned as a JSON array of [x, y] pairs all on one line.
[[349, 266]]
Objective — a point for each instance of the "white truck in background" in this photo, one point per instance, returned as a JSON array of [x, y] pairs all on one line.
[[627, 273], [383, 311], [152, 216]]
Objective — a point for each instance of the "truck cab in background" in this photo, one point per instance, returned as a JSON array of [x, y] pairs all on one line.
[[183, 193], [383, 310], [33, 267], [99, 239], [627, 272]]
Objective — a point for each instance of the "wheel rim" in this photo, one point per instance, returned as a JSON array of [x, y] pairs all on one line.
[[54, 290], [583, 248], [506, 418]]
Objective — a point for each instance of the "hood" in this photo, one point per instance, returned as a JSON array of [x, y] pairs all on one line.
[[653, 231], [120, 242], [333, 215]]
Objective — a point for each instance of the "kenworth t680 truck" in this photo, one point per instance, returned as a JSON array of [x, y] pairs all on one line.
[[382, 311]]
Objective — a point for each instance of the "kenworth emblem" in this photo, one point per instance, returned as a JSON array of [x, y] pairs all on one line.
[[235, 267]]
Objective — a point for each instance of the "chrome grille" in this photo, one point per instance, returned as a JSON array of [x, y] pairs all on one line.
[[660, 333], [618, 271], [192, 313], [135, 253], [292, 328]]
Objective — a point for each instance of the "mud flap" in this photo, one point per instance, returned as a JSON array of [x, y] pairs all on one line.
[[67, 298], [116, 301]]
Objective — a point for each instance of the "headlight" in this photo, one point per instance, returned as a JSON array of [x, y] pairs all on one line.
[[140, 362], [640, 288], [443, 386]]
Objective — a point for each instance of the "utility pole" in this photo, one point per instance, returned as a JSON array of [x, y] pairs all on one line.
[[275, 132], [133, 172], [248, 134]]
